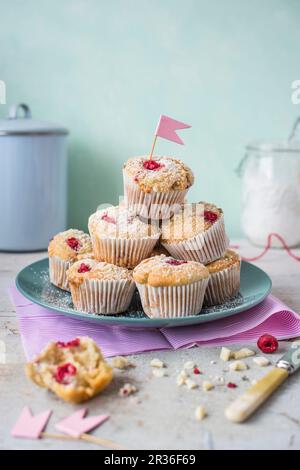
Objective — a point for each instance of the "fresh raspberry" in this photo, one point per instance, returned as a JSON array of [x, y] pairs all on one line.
[[68, 344], [84, 268], [73, 243], [210, 216], [267, 344], [108, 219], [231, 385], [152, 165], [196, 371], [64, 373], [175, 262]]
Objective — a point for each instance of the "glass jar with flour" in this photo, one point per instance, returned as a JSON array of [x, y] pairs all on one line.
[[271, 192]]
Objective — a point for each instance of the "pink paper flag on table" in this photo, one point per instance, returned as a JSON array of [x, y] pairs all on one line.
[[167, 127], [30, 426], [76, 424]]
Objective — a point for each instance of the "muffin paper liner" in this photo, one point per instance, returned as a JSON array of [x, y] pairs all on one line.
[[204, 247], [153, 205], [103, 296], [125, 252], [223, 285], [58, 272], [172, 301]]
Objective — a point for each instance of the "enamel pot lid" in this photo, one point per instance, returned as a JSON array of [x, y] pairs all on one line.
[[20, 122]]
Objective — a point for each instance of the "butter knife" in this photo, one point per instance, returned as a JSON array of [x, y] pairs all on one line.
[[246, 404]]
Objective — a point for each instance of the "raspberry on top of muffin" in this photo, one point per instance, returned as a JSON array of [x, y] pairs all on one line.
[[119, 222], [161, 174], [99, 270], [230, 259], [167, 271], [70, 245], [191, 220]]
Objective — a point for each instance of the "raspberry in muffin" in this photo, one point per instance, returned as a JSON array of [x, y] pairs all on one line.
[[121, 238], [100, 287], [155, 188], [171, 288], [196, 232], [224, 281], [74, 370], [65, 249]]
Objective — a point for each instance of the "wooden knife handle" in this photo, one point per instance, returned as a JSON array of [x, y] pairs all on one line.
[[246, 404]]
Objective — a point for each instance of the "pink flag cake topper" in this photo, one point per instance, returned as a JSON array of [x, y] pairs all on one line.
[[77, 424], [167, 128], [30, 426]]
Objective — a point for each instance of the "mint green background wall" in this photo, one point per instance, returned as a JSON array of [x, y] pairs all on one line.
[[107, 69]]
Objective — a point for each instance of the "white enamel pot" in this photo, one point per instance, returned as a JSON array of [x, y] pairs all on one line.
[[33, 174]]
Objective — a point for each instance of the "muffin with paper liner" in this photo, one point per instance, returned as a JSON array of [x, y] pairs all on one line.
[[100, 287], [154, 189], [65, 249], [196, 232], [120, 237], [224, 281], [171, 288]]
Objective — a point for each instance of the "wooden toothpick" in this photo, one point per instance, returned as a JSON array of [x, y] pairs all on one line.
[[153, 145], [85, 437]]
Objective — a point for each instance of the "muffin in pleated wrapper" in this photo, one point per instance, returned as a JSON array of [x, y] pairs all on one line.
[[121, 238], [205, 245], [152, 205], [125, 252], [171, 288], [100, 287], [224, 281], [155, 189], [58, 272], [65, 249], [172, 301]]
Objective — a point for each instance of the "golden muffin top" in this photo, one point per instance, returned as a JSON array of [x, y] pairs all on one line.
[[119, 222], [189, 221], [89, 269], [167, 271], [161, 174], [70, 245]]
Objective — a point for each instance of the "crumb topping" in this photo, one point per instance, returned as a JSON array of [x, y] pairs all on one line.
[[158, 271], [189, 221], [89, 269], [119, 222], [231, 258], [160, 175], [70, 245]]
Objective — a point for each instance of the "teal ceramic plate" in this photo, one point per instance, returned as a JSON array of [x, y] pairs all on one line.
[[33, 282]]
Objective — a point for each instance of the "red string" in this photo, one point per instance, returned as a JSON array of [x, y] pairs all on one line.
[[269, 246]]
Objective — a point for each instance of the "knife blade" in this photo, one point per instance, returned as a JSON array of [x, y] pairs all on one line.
[[246, 404]]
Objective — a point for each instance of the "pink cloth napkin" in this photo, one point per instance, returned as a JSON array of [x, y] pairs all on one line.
[[38, 326]]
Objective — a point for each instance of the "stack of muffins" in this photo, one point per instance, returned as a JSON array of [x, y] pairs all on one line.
[[175, 253]]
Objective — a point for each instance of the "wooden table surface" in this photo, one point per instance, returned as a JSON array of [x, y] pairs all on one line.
[[160, 415]]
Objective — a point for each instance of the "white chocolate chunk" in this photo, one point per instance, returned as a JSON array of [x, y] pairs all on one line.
[[189, 365], [159, 372], [207, 385], [242, 353], [127, 390], [157, 363], [261, 361], [225, 354], [120, 362], [191, 384], [238, 365], [181, 378], [200, 413]]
